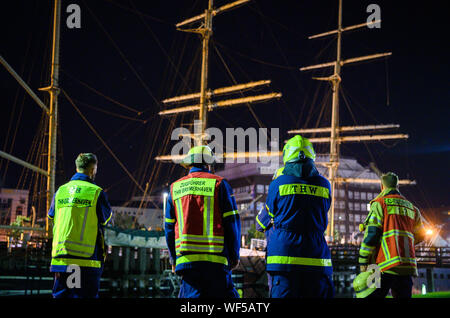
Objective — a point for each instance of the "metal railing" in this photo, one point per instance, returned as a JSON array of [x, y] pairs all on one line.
[[425, 255]]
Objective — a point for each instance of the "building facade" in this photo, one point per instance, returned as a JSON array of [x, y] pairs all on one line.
[[13, 202], [139, 211]]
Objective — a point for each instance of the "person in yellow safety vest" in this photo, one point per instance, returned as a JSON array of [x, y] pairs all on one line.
[[203, 229], [392, 228], [79, 210]]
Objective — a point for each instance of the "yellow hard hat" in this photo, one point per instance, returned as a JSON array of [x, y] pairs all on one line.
[[200, 155], [360, 285], [297, 149]]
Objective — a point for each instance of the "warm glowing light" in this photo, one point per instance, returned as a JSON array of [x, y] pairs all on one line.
[[429, 232]]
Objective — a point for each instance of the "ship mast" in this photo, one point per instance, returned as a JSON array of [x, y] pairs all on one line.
[[204, 96], [334, 130], [53, 90], [52, 112]]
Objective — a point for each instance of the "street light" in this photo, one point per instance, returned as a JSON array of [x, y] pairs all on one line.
[[429, 232]]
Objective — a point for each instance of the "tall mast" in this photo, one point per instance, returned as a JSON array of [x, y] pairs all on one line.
[[334, 151], [335, 139], [204, 96], [206, 32], [53, 90]]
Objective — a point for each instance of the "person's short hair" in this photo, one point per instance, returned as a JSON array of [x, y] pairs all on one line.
[[85, 160], [389, 180]]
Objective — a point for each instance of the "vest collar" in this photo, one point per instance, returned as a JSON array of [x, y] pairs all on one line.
[[196, 169], [385, 192], [82, 177]]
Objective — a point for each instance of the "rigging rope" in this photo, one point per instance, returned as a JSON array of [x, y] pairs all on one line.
[[235, 83], [101, 139], [123, 56], [110, 113], [186, 85], [101, 94]]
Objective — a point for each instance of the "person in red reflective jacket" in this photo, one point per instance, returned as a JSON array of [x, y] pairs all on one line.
[[202, 227]]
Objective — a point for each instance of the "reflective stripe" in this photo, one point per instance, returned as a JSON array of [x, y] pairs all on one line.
[[200, 238], [194, 186], [200, 248], [202, 258], [208, 217], [398, 233], [367, 247], [386, 253], [76, 243], [260, 224], [299, 188], [76, 261], [372, 217], [106, 222], [169, 220], [291, 260], [399, 202], [399, 260], [268, 212], [374, 225], [234, 212], [74, 252], [362, 260], [179, 216], [86, 210]]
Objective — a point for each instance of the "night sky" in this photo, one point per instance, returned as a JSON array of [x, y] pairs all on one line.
[[130, 52]]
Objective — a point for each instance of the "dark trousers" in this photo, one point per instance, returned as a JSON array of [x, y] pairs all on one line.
[[301, 285], [89, 284], [400, 286], [207, 283]]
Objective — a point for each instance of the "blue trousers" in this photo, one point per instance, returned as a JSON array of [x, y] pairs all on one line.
[[207, 283], [89, 284], [400, 286], [301, 285]]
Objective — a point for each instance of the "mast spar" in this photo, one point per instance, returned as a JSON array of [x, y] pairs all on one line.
[[204, 96]]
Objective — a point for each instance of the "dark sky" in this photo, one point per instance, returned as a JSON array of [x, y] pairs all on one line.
[[130, 52]]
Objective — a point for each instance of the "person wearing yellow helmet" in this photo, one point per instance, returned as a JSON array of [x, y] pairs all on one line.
[[202, 228], [199, 156], [295, 219], [391, 229]]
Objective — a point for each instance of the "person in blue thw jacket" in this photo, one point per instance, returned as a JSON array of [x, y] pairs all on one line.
[[298, 257]]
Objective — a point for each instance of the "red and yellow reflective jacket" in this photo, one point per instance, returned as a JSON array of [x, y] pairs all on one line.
[[393, 228], [202, 221], [199, 227]]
